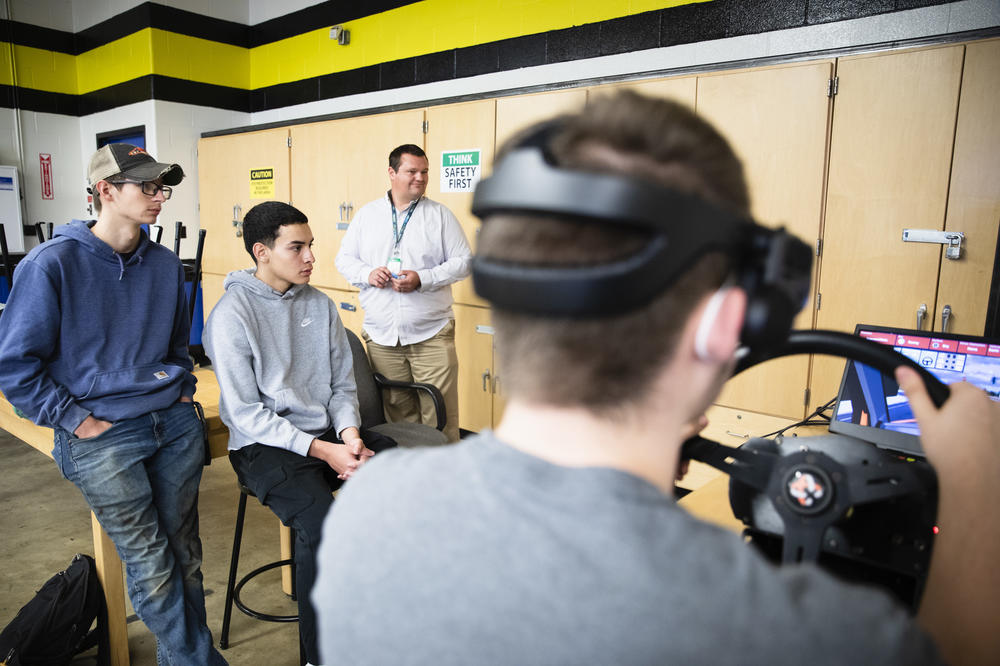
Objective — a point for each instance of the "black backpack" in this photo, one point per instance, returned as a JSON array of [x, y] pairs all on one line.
[[56, 624]]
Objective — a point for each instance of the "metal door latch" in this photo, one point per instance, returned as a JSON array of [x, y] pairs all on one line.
[[237, 222], [953, 239]]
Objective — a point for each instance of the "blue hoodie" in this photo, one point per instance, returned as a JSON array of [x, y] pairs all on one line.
[[87, 332]]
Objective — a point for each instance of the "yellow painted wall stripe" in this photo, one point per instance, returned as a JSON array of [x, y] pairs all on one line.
[[412, 30], [428, 27]]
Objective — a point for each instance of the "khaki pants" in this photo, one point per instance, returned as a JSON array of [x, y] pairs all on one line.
[[432, 361]]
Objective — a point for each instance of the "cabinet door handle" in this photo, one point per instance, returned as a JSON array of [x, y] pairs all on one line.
[[742, 435], [486, 379], [945, 316], [237, 222], [921, 313]]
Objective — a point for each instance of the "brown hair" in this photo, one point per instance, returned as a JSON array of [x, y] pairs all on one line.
[[97, 195], [604, 363]]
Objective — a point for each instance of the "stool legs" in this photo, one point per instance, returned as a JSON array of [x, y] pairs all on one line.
[[234, 559], [233, 586]]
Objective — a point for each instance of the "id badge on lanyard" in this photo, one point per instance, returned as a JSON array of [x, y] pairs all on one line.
[[395, 262]]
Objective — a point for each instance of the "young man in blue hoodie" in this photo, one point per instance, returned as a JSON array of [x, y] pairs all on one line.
[[286, 377], [93, 343]]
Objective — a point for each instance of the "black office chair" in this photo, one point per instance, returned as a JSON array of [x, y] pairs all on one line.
[[40, 228], [8, 271], [370, 385]]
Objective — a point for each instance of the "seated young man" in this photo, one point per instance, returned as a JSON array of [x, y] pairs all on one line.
[[556, 539], [288, 396]]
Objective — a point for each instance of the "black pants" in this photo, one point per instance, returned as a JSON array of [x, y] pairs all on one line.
[[298, 490]]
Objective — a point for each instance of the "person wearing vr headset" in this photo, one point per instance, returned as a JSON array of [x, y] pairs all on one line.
[[624, 274], [94, 344]]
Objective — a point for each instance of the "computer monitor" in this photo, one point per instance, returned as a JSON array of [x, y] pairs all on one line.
[[871, 406]]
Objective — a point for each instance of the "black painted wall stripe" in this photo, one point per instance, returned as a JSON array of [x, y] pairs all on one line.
[[324, 14], [162, 17]]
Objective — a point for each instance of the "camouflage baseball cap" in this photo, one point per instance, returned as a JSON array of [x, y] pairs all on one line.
[[132, 162]]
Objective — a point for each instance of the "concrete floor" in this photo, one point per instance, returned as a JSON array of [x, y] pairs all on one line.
[[44, 522]]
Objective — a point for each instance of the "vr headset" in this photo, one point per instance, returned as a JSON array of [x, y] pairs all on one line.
[[773, 267]]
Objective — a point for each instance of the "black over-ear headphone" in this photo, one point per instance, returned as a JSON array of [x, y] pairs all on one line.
[[771, 265]]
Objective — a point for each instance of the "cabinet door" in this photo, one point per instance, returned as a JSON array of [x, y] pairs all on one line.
[[776, 120], [517, 112], [348, 308], [974, 196], [474, 346], [374, 137], [890, 158], [226, 191], [337, 167], [456, 127], [321, 167], [679, 88]]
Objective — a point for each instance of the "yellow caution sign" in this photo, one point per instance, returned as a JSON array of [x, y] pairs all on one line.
[[262, 183]]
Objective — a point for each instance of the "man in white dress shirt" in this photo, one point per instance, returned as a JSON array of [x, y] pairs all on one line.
[[404, 251]]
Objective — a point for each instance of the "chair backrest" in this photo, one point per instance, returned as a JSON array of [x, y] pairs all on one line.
[[8, 272], [40, 232], [369, 394]]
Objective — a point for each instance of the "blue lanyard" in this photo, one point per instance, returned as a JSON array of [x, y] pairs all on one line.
[[397, 237]]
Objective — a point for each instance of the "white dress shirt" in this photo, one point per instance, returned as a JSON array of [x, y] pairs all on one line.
[[433, 245]]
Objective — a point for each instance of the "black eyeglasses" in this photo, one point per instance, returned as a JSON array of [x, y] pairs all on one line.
[[149, 188]]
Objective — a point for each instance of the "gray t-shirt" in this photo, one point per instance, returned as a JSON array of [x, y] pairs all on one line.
[[477, 553]]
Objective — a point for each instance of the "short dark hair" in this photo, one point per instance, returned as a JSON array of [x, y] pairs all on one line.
[[263, 222], [603, 363], [396, 156]]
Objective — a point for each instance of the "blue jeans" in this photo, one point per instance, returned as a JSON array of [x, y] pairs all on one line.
[[140, 478]]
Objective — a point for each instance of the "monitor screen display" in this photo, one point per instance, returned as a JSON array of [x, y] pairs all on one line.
[[871, 406]]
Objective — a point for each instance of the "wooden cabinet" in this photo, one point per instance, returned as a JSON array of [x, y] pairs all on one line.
[[776, 120], [339, 166], [232, 178], [911, 140], [731, 427], [974, 193], [468, 126], [480, 397], [681, 89], [890, 160], [517, 112], [348, 308]]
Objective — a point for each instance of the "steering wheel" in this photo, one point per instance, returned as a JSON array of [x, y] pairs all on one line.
[[833, 494]]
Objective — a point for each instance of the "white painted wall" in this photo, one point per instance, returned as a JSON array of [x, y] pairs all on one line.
[[55, 14], [265, 10], [91, 12], [57, 136], [172, 133], [176, 129]]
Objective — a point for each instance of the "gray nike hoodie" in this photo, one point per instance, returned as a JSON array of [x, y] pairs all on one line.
[[283, 364]]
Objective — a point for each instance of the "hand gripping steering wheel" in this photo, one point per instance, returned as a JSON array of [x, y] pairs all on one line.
[[834, 499]]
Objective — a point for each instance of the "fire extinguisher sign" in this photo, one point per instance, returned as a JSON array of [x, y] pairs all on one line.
[[45, 166]]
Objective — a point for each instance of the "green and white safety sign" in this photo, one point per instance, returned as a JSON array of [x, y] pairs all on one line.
[[460, 170]]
